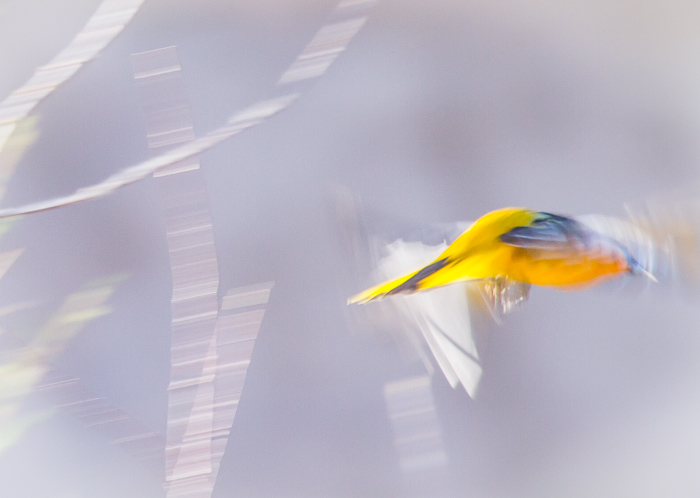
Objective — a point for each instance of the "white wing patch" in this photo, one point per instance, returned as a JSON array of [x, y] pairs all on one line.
[[442, 314]]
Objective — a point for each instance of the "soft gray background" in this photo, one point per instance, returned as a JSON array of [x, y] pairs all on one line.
[[438, 111]]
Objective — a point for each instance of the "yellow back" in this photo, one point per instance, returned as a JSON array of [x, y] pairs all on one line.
[[479, 254], [486, 230]]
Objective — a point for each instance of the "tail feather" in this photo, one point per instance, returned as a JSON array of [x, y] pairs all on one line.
[[406, 284], [378, 291]]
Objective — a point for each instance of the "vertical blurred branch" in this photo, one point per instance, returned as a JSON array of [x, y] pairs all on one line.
[[195, 277], [211, 347]]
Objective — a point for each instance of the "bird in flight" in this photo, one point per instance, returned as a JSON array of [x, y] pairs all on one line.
[[510, 249]]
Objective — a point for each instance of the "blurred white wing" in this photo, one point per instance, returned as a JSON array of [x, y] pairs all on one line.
[[442, 315]]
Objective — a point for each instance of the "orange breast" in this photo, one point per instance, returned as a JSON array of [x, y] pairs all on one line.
[[575, 269]]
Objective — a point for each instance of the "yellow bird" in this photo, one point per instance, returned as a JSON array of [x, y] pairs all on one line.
[[519, 245]]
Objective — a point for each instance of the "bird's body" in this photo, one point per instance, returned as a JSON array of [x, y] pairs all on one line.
[[519, 245]]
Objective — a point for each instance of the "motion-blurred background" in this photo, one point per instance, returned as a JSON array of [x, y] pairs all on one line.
[[437, 112]]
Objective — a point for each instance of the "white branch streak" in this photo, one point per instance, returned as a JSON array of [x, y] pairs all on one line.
[[107, 22], [313, 62], [246, 119]]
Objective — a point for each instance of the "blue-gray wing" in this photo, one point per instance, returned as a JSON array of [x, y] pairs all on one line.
[[550, 232]]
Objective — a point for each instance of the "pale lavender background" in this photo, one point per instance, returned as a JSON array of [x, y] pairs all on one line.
[[439, 111]]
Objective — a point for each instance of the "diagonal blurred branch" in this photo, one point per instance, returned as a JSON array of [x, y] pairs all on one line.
[[31, 369], [67, 394], [107, 22], [313, 62], [24, 365]]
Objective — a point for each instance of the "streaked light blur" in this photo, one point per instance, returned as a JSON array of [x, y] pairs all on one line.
[[401, 120]]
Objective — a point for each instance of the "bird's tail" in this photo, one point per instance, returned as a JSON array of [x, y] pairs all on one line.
[[379, 291], [406, 284]]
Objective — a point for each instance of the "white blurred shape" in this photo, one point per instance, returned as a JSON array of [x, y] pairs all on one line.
[[107, 22], [248, 118], [7, 259], [247, 296], [314, 60], [442, 314], [414, 424], [320, 53], [329, 42], [212, 344], [28, 364], [192, 468]]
